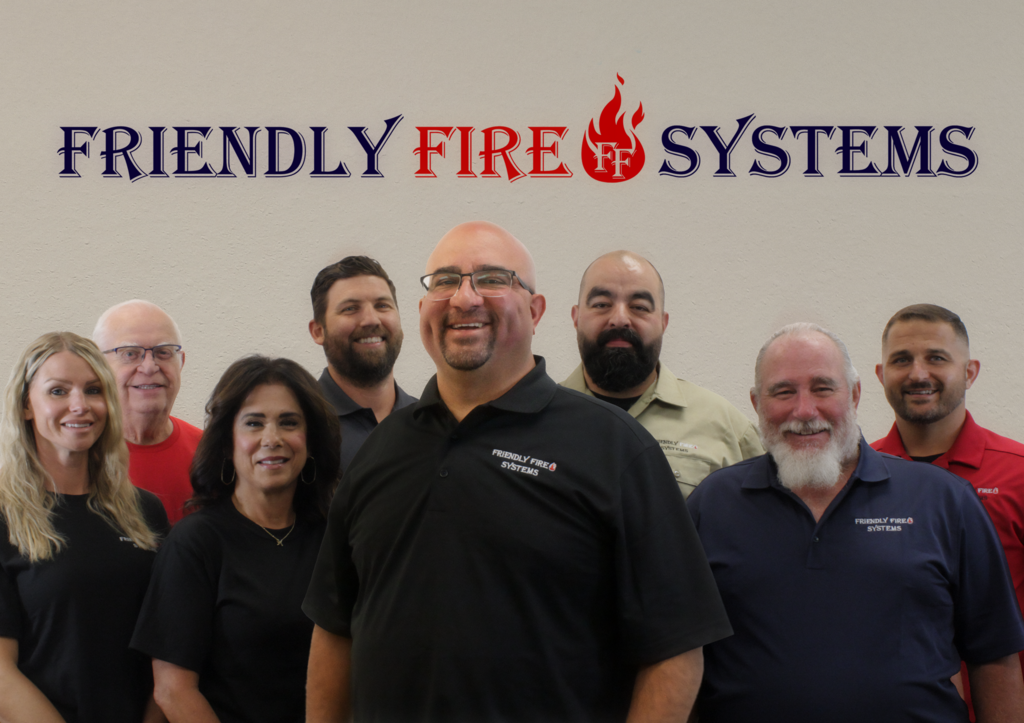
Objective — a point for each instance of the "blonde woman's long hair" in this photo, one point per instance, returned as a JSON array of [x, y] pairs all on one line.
[[24, 502]]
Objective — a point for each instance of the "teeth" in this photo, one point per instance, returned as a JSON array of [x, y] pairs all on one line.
[[370, 340], [468, 326], [78, 426], [147, 386]]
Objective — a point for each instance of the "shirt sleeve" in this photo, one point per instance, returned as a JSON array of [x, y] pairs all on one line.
[[750, 442], [988, 621], [10, 603], [176, 621], [334, 586], [668, 600]]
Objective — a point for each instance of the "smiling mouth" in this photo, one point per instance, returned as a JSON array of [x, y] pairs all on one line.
[[472, 325], [370, 340], [270, 461], [78, 425], [147, 387]]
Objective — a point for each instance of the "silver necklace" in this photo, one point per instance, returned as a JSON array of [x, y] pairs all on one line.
[[278, 540]]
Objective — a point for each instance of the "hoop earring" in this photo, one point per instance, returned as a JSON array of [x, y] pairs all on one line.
[[230, 481], [302, 477]]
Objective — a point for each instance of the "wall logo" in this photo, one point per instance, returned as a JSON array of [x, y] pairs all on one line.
[[610, 150], [612, 153]]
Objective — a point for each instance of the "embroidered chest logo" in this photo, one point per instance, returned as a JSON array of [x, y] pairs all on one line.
[[884, 524], [523, 463], [671, 445]]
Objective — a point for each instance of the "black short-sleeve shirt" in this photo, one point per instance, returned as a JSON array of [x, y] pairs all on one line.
[[517, 566], [225, 602], [73, 615]]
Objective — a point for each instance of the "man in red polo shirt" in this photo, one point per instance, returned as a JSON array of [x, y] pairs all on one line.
[[926, 370]]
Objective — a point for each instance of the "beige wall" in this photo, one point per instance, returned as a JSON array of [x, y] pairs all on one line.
[[233, 259]]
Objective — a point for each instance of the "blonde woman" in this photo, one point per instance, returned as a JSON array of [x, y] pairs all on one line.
[[77, 542]]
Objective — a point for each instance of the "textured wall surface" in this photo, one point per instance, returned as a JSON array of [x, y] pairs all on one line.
[[232, 259]]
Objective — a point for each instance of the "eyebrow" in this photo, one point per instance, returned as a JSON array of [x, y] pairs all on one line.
[[353, 300], [814, 381], [601, 291], [458, 269], [68, 381], [936, 350]]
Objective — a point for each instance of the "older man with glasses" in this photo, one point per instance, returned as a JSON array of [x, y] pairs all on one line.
[[142, 344]]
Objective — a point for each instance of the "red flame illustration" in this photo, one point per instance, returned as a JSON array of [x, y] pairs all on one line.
[[613, 154]]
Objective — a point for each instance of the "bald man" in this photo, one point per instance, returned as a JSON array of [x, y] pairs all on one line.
[[142, 344], [620, 320], [505, 549]]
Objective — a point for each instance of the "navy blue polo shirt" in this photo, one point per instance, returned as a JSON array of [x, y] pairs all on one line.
[[862, 616]]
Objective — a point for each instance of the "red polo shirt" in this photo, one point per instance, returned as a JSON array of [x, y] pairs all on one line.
[[994, 466]]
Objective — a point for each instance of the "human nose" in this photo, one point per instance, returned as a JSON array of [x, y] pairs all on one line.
[[918, 372], [148, 361], [620, 316], [466, 296], [77, 401], [804, 407], [271, 436]]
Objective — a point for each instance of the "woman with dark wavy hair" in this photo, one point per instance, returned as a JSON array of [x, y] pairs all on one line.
[[77, 543], [222, 619]]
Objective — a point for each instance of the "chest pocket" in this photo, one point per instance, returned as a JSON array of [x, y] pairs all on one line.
[[687, 469]]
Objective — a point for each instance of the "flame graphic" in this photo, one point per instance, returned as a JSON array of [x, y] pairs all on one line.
[[614, 153]]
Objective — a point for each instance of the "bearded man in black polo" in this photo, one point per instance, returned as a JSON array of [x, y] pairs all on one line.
[[505, 549]]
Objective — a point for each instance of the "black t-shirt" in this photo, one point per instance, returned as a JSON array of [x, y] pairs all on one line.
[[519, 565], [73, 615], [225, 602]]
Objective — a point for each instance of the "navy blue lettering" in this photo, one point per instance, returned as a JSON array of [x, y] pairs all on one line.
[[319, 149], [725, 151], [812, 145], [957, 150], [182, 150], [373, 150], [157, 171], [69, 150], [111, 152], [274, 152], [898, 151], [246, 157], [766, 149], [678, 149], [848, 150]]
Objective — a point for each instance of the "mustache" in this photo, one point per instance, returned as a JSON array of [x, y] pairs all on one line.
[[620, 334], [808, 427], [920, 387]]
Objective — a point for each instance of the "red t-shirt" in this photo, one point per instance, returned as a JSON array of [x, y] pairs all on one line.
[[163, 468], [994, 466]]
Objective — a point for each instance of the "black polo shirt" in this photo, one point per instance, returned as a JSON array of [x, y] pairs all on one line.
[[517, 566], [861, 616], [356, 422]]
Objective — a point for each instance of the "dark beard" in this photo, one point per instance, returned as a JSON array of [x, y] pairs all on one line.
[[363, 370], [617, 369]]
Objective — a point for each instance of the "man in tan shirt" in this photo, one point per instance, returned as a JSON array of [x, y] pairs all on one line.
[[620, 320]]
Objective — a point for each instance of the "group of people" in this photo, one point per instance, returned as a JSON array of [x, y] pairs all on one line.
[[623, 546]]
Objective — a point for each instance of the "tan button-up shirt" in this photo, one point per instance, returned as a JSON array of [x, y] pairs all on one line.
[[698, 430]]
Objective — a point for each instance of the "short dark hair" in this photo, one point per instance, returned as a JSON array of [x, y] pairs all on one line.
[[347, 268], [928, 312], [212, 480]]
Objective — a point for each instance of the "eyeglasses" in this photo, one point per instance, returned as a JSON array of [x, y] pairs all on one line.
[[490, 282], [135, 354]]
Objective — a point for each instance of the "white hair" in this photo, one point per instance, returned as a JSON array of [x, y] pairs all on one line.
[[101, 324], [804, 328]]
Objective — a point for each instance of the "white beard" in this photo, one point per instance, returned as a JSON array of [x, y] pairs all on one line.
[[810, 468]]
